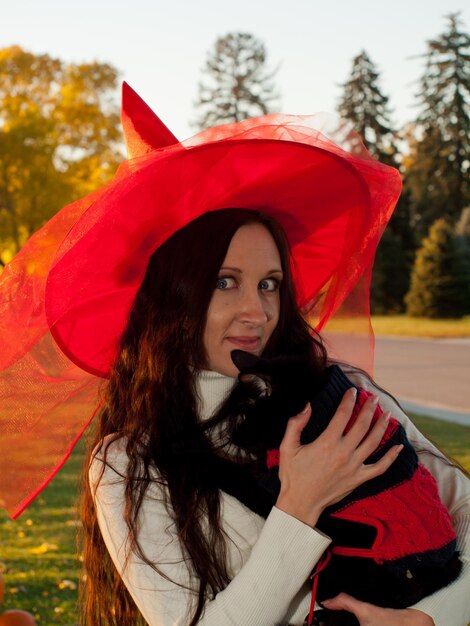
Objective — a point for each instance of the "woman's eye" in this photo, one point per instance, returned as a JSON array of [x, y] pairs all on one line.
[[225, 282], [269, 284]]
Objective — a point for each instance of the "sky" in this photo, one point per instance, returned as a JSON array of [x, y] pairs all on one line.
[[160, 47]]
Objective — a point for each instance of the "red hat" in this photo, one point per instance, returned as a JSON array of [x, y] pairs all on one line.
[[65, 298]]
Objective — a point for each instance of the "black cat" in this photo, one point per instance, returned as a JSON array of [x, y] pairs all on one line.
[[373, 559]]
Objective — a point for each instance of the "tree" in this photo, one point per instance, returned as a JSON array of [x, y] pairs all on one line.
[[462, 231], [439, 161], [367, 108], [390, 277], [462, 228], [59, 138], [240, 86], [364, 104], [439, 282]]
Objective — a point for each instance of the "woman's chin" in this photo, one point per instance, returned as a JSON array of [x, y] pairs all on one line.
[[225, 368]]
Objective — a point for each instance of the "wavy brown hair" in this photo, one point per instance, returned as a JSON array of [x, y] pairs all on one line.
[[150, 400]]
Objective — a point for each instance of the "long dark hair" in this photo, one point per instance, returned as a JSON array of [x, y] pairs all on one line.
[[150, 401]]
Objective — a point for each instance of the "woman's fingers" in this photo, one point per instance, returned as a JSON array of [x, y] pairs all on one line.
[[295, 426], [371, 615], [340, 419], [376, 469], [370, 443], [363, 421], [344, 602]]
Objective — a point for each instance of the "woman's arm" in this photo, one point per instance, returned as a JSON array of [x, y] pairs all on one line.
[[270, 572], [450, 605]]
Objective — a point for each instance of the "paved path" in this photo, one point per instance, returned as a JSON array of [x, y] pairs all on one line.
[[428, 376]]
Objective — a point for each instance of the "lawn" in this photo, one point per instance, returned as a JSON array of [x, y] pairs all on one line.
[[403, 326], [420, 327], [38, 555]]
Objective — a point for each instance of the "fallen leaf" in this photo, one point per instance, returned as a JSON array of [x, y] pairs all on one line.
[[43, 548]]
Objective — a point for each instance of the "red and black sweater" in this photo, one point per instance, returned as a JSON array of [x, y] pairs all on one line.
[[396, 519]]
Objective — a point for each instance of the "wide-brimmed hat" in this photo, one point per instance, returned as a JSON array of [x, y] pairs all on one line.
[[66, 297]]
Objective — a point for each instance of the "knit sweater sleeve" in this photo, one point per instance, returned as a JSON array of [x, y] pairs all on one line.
[[267, 578], [450, 605]]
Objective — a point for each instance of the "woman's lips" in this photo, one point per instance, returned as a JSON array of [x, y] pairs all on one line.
[[245, 343]]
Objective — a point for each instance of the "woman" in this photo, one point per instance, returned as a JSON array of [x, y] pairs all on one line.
[[115, 288], [187, 549]]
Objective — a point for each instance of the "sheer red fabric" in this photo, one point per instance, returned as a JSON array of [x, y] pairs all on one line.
[[65, 298]]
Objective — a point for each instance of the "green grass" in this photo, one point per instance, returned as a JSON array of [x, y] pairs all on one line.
[[38, 553], [402, 326], [420, 327], [453, 439]]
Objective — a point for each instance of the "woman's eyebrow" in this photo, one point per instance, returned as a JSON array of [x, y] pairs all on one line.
[[231, 269], [239, 271]]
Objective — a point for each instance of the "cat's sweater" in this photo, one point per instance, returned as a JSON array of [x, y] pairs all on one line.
[[270, 559]]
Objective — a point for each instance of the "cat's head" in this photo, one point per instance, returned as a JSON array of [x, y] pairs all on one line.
[[270, 390], [283, 380]]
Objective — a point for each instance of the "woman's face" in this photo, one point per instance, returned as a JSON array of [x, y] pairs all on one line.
[[244, 309]]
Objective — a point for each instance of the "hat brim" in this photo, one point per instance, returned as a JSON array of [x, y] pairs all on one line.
[[320, 198]]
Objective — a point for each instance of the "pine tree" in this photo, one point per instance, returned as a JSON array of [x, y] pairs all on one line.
[[240, 85], [391, 276], [462, 228], [438, 172], [364, 104], [462, 231], [439, 282], [367, 108]]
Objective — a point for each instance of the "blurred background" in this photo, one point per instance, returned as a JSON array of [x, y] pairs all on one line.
[[399, 71]]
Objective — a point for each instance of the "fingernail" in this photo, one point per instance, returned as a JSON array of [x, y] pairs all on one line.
[[325, 602], [375, 400], [305, 409], [400, 448], [387, 415], [353, 392]]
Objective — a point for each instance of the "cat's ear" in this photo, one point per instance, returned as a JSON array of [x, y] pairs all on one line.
[[244, 360]]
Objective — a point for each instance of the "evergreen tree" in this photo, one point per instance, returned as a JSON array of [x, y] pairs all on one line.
[[439, 163], [439, 282], [366, 107], [390, 277], [364, 104], [462, 228], [239, 84], [462, 231]]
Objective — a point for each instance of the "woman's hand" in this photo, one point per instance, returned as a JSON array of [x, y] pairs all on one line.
[[370, 615], [318, 474]]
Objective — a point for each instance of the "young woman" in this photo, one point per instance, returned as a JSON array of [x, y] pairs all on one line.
[[186, 552], [140, 291]]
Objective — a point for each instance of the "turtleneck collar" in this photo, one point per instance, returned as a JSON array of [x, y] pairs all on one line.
[[212, 389]]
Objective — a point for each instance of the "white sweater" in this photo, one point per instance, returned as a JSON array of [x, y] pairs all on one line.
[[269, 560]]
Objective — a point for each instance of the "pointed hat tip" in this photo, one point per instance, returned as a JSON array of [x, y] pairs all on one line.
[[143, 130]]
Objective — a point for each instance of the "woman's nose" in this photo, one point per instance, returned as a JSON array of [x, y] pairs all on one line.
[[253, 309]]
